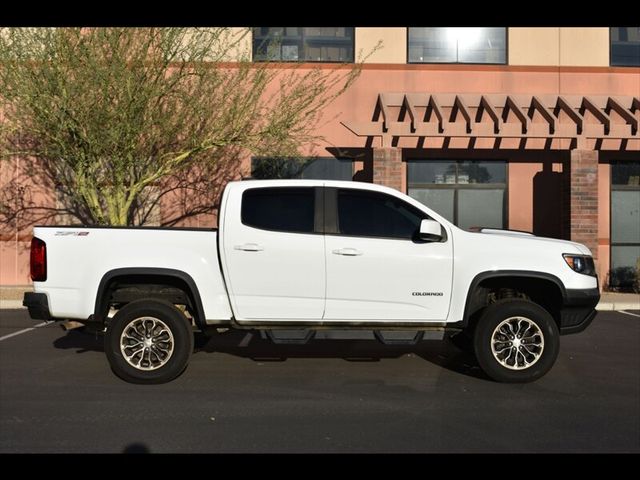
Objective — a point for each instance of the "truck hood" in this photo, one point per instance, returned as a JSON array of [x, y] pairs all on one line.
[[530, 237]]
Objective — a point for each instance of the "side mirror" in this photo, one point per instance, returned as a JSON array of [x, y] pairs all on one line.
[[430, 230]]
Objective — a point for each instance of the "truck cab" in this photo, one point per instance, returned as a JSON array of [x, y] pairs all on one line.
[[334, 250]]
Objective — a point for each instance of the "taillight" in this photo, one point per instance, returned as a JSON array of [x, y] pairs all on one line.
[[38, 260]]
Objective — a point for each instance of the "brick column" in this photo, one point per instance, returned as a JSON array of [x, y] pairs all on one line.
[[583, 222], [387, 167]]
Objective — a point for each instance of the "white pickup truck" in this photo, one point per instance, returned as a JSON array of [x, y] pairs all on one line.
[[307, 256]]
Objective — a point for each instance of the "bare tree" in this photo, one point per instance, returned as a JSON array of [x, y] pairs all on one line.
[[116, 119]]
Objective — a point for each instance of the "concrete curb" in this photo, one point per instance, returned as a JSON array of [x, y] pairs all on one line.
[[11, 304], [617, 306]]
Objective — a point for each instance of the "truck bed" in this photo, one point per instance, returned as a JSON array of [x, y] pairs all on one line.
[[79, 257]]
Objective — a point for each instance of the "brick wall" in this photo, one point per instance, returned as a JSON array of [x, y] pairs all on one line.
[[387, 167], [583, 222]]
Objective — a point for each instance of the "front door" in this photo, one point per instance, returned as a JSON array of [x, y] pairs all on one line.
[[275, 261], [377, 268]]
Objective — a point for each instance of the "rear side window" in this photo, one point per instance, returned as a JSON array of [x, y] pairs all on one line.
[[373, 214], [282, 209]]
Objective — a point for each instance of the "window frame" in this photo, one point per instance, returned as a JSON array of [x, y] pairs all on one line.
[[465, 186], [332, 219], [611, 53], [318, 213], [506, 52], [612, 188], [301, 45]]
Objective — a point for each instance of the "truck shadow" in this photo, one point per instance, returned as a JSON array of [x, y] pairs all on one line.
[[237, 342], [79, 341]]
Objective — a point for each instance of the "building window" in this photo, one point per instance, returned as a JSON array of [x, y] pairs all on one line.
[[468, 193], [625, 225], [303, 44], [313, 168], [625, 46], [457, 45]]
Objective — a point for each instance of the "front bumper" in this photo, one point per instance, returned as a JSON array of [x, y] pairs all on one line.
[[578, 310], [38, 305]]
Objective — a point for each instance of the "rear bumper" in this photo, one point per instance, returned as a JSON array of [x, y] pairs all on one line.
[[578, 310], [38, 305]]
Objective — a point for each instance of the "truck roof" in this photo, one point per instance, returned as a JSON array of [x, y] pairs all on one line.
[[312, 183]]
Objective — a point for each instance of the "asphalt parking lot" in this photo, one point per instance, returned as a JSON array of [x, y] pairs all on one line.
[[57, 394]]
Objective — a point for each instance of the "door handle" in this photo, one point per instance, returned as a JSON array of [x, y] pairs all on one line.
[[249, 247], [348, 252]]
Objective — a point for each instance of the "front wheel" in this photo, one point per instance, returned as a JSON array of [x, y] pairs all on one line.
[[148, 341], [516, 341]]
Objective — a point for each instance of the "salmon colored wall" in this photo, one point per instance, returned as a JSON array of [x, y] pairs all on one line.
[[521, 195], [14, 245], [521, 185], [14, 263]]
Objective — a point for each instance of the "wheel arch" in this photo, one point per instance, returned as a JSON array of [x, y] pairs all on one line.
[[144, 275], [525, 279]]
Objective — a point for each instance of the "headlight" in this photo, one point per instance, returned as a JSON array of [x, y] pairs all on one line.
[[580, 263]]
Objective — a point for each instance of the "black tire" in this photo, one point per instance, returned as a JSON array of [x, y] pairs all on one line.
[[176, 323], [492, 317]]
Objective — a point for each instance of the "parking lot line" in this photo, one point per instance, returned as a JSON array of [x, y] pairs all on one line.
[[621, 311], [25, 330]]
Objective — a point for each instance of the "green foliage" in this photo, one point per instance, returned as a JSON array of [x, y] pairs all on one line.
[[115, 118]]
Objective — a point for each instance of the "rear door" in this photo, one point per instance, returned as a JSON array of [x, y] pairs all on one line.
[[275, 260], [377, 268]]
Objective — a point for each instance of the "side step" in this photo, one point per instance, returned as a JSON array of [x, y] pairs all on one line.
[[398, 337], [386, 337], [289, 337]]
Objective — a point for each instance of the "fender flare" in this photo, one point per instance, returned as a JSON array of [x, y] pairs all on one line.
[[100, 309], [507, 273]]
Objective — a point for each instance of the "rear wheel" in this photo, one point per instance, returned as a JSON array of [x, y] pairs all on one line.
[[516, 341], [148, 341]]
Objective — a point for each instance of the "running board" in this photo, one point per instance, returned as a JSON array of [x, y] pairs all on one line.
[[296, 324], [386, 337]]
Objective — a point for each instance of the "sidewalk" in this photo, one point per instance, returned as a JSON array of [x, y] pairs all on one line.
[[11, 297], [619, 301]]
